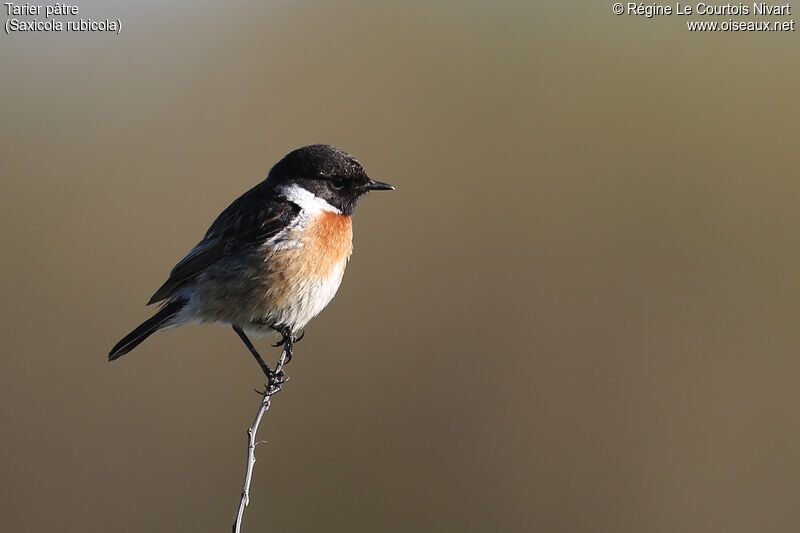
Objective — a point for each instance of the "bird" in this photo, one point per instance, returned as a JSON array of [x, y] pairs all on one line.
[[273, 259]]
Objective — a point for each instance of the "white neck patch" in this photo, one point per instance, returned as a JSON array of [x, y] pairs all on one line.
[[307, 200]]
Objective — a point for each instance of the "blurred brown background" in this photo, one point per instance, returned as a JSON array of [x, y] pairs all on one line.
[[578, 311]]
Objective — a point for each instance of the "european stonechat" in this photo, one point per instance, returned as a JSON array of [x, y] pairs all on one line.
[[273, 259]]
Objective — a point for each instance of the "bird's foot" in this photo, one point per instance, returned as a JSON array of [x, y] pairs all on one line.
[[286, 337], [275, 381], [287, 341]]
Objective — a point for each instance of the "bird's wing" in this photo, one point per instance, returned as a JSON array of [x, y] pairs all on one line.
[[248, 221]]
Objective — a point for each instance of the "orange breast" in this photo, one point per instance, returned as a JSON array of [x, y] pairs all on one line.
[[301, 280], [328, 242]]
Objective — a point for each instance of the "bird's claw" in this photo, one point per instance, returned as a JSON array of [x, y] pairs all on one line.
[[287, 341], [274, 382], [287, 356], [286, 336]]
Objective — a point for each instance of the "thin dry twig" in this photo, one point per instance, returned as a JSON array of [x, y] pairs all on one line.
[[271, 388]]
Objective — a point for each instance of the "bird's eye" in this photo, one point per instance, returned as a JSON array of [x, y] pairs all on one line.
[[337, 183]]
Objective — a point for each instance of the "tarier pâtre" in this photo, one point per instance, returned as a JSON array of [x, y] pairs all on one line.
[[56, 9]]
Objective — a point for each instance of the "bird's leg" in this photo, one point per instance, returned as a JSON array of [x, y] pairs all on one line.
[[274, 379], [287, 341]]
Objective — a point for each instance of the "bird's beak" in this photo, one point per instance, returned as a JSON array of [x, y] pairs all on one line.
[[378, 186]]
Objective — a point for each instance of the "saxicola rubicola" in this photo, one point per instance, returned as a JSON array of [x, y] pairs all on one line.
[[273, 259]]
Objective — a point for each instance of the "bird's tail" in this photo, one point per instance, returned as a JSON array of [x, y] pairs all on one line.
[[147, 328]]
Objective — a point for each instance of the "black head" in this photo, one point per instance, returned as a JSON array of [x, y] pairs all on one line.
[[331, 174]]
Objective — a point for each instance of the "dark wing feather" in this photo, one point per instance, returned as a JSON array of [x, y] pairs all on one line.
[[251, 219]]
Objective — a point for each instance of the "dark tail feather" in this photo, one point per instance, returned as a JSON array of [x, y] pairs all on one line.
[[150, 326]]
